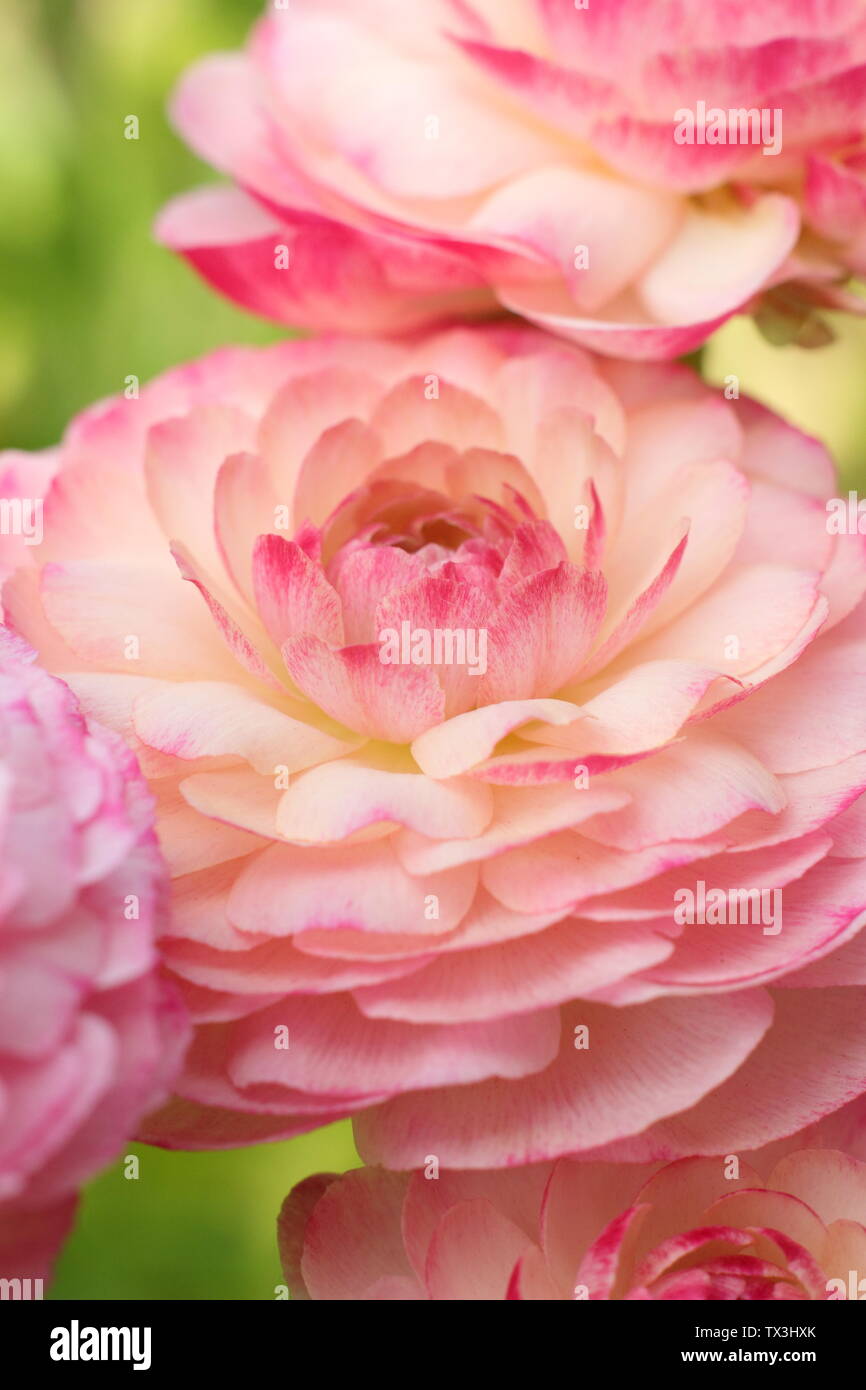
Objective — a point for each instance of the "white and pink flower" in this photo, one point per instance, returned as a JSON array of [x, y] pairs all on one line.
[[393, 165], [441, 901]]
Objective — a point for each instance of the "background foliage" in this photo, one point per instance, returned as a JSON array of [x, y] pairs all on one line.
[[86, 298]]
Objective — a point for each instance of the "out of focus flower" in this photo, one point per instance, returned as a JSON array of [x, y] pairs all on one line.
[[697, 1229], [628, 174], [89, 1036]]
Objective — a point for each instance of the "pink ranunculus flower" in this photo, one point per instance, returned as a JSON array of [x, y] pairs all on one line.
[[697, 1229], [627, 174], [450, 895], [89, 1035]]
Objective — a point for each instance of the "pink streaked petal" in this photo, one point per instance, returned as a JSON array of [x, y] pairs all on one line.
[[246, 647], [245, 506], [777, 721], [193, 1125], [835, 198], [235, 796], [360, 887], [217, 108], [340, 461], [551, 212], [277, 967], [537, 767], [753, 1106], [536, 546], [363, 578], [308, 269], [815, 800], [315, 398], [565, 870], [521, 816], [410, 415], [472, 1253], [189, 840], [477, 147], [729, 255], [334, 801], [567, 961], [445, 602], [778, 865], [688, 790], [755, 1210], [809, 930], [459, 744], [642, 709], [832, 1183], [635, 338], [763, 607], [516, 1194], [350, 1238], [183, 458], [710, 500], [96, 608], [631, 624], [530, 1280], [777, 451], [292, 594], [663, 1057], [354, 686], [335, 1051], [295, 1212], [211, 719], [679, 1194], [542, 632], [844, 579], [606, 1263], [782, 521]]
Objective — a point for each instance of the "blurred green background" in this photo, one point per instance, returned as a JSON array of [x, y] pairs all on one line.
[[86, 298]]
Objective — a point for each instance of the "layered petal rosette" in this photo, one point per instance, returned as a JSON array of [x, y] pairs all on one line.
[[697, 1229], [90, 1037], [627, 174], [470, 676]]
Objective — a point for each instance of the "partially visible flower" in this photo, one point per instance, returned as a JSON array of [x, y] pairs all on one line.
[[697, 1229], [626, 174], [89, 1035]]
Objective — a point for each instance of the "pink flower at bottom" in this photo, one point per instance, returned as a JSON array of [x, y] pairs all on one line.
[[90, 1037], [695, 1229]]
